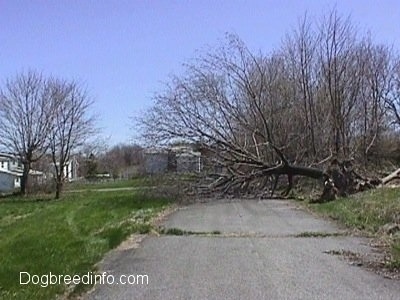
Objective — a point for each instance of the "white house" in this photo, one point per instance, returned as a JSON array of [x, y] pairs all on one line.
[[10, 173], [70, 171]]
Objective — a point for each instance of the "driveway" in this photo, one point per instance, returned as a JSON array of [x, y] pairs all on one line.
[[248, 249]]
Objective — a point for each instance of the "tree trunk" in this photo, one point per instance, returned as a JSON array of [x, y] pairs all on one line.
[[25, 179], [59, 187], [390, 177], [339, 179]]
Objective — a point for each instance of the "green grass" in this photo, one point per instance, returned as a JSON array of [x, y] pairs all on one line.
[[367, 211], [136, 182], [145, 181], [65, 237]]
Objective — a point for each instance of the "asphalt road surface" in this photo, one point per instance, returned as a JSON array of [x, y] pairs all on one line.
[[264, 251]]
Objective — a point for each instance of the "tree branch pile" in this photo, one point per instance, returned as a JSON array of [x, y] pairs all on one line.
[[339, 179]]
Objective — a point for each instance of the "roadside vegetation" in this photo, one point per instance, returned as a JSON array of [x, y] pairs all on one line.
[[40, 235], [375, 212], [158, 180], [110, 184]]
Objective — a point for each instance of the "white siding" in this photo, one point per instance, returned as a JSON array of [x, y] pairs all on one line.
[[10, 173], [4, 165], [7, 182], [17, 182], [14, 165]]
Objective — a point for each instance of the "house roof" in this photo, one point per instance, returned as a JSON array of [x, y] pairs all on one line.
[[7, 155], [16, 173], [156, 151], [13, 173], [189, 154]]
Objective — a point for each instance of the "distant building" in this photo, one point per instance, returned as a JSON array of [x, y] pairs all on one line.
[[188, 160], [183, 158], [10, 173], [71, 169], [156, 161]]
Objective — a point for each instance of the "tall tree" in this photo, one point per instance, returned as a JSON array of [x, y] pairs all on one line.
[[299, 50], [72, 125], [319, 98], [339, 78], [26, 112]]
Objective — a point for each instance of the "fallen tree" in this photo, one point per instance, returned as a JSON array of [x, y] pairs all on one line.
[[338, 179]]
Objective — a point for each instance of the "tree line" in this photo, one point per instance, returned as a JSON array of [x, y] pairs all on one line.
[[328, 92], [42, 115]]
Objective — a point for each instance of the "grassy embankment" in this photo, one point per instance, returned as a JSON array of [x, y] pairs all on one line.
[[369, 211], [68, 236]]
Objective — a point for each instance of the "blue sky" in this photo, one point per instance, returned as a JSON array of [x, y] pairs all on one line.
[[124, 50]]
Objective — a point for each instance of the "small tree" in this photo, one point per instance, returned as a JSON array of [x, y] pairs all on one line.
[[72, 125], [393, 101], [120, 158], [91, 166], [26, 112]]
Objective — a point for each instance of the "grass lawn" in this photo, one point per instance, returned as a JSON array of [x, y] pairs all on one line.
[[136, 182], [68, 236], [147, 181], [368, 211]]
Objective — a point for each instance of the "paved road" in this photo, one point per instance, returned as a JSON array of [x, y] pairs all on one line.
[[257, 256]]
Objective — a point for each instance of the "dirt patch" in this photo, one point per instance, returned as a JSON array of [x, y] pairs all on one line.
[[133, 241]]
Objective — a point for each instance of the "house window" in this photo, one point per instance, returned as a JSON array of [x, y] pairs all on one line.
[[2, 164]]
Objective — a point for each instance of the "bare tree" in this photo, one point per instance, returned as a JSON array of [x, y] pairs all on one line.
[[378, 76], [25, 119], [72, 125], [300, 52], [236, 104], [117, 160], [393, 100], [318, 101], [94, 147], [339, 78]]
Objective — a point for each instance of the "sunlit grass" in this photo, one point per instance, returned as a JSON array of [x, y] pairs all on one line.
[[67, 236]]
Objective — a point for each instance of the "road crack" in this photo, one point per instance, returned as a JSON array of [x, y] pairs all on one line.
[[216, 233]]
